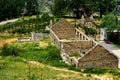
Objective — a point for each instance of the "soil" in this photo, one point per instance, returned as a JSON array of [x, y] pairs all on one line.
[[2, 42]]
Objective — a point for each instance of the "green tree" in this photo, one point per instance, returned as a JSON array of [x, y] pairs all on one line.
[[85, 6], [58, 8], [11, 8], [112, 25], [44, 6], [104, 6], [110, 22], [32, 7]]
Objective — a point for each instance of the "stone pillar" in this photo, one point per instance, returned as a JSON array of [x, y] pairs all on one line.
[[81, 37], [76, 33], [32, 36], [118, 63]]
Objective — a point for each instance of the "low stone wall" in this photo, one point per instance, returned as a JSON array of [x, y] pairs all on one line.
[[98, 57], [36, 36], [69, 60], [27, 39]]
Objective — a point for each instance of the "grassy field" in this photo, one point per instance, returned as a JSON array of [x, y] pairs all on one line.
[[39, 60], [16, 68], [34, 62]]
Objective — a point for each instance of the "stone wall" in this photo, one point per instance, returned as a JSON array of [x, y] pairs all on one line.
[[36, 36], [98, 57], [77, 46], [55, 39], [87, 21]]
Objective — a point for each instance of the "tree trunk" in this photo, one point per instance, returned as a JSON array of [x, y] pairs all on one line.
[[118, 36], [101, 13]]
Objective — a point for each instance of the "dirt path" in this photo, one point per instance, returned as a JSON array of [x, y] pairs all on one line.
[[8, 21], [98, 77], [2, 42]]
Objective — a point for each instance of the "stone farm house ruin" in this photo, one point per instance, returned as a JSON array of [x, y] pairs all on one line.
[[72, 41]]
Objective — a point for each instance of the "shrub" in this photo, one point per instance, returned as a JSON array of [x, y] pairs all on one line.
[[90, 31], [95, 71], [3, 65], [46, 31], [8, 50], [45, 17], [54, 53]]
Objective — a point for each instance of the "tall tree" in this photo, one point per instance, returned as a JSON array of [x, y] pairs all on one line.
[[44, 6], [104, 6], [31, 7], [86, 6], [112, 25], [110, 22], [11, 8], [58, 7]]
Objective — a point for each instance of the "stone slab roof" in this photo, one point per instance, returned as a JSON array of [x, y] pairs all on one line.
[[64, 30]]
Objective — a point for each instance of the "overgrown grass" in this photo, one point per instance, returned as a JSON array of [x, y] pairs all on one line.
[[41, 51], [44, 52], [27, 25], [117, 45], [114, 72], [5, 37], [16, 68], [75, 55]]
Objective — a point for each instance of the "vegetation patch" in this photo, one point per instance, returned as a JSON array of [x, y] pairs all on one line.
[[9, 50], [26, 26], [114, 72], [117, 45], [75, 55], [22, 70]]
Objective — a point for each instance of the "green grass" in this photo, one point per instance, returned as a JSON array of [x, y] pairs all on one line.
[[42, 51], [16, 68], [5, 37], [75, 55], [117, 45], [27, 25], [114, 72]]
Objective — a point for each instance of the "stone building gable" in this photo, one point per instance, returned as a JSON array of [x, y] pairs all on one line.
[[64, 30], [98, 57]]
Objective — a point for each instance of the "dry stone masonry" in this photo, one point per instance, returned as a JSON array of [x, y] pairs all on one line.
[[34, 37], [73, 41]]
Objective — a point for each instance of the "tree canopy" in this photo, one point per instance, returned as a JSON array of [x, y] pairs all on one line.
[[112, 26], [11, 8], [110, 21], [14, 8], [86, 6]]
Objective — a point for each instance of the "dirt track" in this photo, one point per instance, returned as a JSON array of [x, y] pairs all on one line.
[[2, 42]]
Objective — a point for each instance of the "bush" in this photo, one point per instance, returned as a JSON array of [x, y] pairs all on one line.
[[3, 65], [45, 17], [95, 71], [46, 31], [54, 53], [90, 31], [8, 50], [102, 71]]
